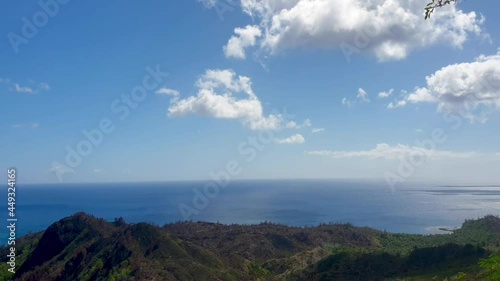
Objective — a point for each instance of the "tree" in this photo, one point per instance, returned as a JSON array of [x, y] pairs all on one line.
[[429, 9], [491, 267]]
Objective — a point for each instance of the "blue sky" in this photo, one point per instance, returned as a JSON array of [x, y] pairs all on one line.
[[231, 75]]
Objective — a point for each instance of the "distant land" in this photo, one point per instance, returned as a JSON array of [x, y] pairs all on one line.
[[83, 247]]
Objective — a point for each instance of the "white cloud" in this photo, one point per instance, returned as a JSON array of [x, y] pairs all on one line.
[[32, 125], [498, 154], [219, 4], [388, 29], [21, 89], [383, 95], [421, 95], [244, 38], [59, 170], [317, 130], [385, 151], [470, 88], [347, 102], [396, 104], [307, 123], [169, 92], [293, 125], [362, 95], [295, 139], [97, 171], [44, 86], [222, 94], [419, 131], [18, 88], [208, 3]]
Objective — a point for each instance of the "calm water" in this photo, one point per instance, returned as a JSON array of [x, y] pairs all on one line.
[[415, 208]]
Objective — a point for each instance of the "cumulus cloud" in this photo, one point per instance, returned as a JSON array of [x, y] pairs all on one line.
[[307, 123], [225, 95], [293, 125], [383, 95], [347, 102], [317, 130], [387, 29], [169, 92], [362, 95], [471, 88], [245, 37], [396, 104], [385, 151], [295, 139]]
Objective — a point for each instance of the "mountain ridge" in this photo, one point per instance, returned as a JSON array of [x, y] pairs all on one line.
[[83, 247]]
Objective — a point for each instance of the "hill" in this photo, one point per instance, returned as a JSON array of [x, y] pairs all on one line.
[[82, 247]]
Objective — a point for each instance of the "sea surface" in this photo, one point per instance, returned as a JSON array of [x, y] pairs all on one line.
[[411, 208]]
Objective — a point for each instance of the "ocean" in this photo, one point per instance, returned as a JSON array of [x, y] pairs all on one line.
[[411, 208]]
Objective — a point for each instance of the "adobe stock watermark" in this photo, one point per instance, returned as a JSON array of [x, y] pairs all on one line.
[[122, 108], [31, 26], [408, 164], [248, 150], [220, 6], [361, 40]]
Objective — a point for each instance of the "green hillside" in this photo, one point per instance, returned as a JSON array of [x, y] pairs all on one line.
[[82, 247]]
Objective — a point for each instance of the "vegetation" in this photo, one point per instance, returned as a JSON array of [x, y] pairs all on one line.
[[383, 266], [491, 268], [429, 9], [82, 247]]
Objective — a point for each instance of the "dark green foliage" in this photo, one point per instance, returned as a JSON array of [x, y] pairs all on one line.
[[403, 244], [257, 271], [380, 266], [491, 268], [483, 232], [82, 247], [270, 241]]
